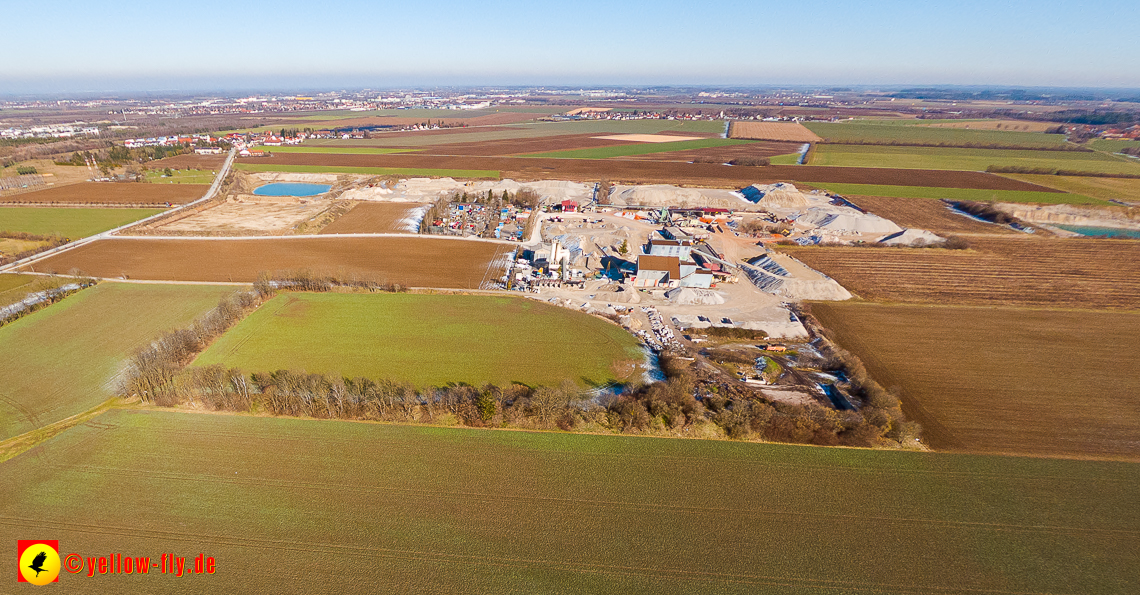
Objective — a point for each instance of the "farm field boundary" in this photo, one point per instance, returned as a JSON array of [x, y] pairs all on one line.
[[68, 222], [113, 193], [1099, 188], [708, 174], [63, 359], [376, 171], [597, 513], [952, 158], [977, 378], [639, 149], [336, 150], [877, 133], [929, 192]]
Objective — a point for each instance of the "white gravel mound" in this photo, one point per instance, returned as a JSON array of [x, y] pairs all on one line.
[[912, 237], [688, 296]]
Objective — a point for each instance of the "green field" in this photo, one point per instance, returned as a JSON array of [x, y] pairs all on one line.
[[308, 506], [14, 287], [64, 359], [789, 159], [69, 222], [960, 194], [968, 159], [863, 132], [640, 149], [181, 176], [374, 171], [334, 150], [1102, 188], [1113, 145], [427, 340]]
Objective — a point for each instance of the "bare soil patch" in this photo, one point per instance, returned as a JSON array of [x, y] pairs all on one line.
[[924, 213], [245, 218], [520, 146], [1003, 380], [413, 261], [106, 193], [648, 138], [779, 131], [1019, 270], [373, 217]]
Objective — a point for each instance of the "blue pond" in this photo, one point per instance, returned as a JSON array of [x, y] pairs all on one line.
[[291, 189], [1114, 232]]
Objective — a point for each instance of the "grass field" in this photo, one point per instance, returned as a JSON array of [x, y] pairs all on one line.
[[1101, 188], [334, 150], [863, 132], [1004, 380], [308, 506], [640, 149], [71, 223], [1113, 145], [13, 287], [181, 176], [428, 340], [960, 193], [968, 159], [788, 159], [1015, 269], [63, 359], [374, 171]]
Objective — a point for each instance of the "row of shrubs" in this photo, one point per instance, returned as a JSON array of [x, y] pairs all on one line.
[[1051, 171]]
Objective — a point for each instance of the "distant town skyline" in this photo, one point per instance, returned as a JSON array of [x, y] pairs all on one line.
[[135, 46]]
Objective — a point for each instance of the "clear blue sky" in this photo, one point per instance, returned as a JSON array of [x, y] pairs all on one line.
[[76, 46]]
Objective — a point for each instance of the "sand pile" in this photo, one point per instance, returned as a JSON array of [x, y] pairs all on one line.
[[663, 195], [688, 296], [781, 195], [911, 237], [843, 219]]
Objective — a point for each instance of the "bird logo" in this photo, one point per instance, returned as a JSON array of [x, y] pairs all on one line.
[[39, 561]]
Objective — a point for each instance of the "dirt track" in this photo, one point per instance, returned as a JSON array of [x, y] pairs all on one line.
[[692, 174], [413, 261], [106, 193]]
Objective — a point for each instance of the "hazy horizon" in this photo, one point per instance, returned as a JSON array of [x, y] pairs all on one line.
[[133, 46]]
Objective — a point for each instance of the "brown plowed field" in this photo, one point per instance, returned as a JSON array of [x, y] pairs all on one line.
[[519, 146], [413, 261], [693, 174], [723, 154], [379, 139], [372, 217], [191, 161], [485, 120], [924, 213], [1029, 271], [780, 131], [1004, 380], [99, 193]]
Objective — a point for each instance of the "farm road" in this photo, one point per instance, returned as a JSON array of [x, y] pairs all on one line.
[[12, 266]]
